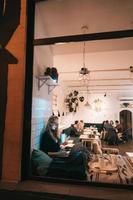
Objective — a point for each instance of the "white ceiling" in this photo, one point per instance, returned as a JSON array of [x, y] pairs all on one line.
[[66, 17]]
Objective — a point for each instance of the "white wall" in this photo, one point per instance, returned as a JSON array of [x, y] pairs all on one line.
[[60, 91], [109, 110], [110, 107], [41, 100]]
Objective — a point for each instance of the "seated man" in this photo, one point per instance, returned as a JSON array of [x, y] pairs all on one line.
[[112, 137], [80, 127], [72, 130], [119, 131]]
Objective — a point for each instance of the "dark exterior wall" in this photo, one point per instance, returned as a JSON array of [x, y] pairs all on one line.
[[16, 45]]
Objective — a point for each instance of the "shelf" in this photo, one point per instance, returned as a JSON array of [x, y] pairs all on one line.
[[46, 80]]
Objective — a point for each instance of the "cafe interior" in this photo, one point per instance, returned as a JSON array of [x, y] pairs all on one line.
[[83, 85]]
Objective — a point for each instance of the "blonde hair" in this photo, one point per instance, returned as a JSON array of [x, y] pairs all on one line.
[[52, 119], [48, 126]]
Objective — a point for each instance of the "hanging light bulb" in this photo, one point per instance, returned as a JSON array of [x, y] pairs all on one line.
[[87, 104], [84, 72]]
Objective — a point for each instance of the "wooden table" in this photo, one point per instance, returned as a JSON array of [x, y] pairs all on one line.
[[110, 168], [86, 139]]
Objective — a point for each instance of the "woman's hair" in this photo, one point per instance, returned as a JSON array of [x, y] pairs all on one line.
[[50, 121]]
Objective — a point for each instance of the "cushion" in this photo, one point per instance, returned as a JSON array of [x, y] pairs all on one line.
[[40, 162]]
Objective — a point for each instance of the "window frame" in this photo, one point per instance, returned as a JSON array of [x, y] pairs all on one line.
[[31, 42]]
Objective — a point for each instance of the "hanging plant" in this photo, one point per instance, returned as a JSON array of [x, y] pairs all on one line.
[[81, 99], [70, 95], [72, 101], [52, 72], [75, 93]]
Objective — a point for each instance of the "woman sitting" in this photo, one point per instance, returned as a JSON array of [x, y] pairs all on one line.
[[50, 141]]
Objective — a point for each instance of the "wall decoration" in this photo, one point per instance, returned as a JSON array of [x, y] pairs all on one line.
[[58, 113], [98, 105], [9, 21], [126, 105], [72, 101]]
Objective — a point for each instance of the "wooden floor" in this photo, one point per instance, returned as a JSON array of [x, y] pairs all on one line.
[[126, 147]]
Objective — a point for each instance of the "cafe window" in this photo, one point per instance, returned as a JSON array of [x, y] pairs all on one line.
[[76, 130]]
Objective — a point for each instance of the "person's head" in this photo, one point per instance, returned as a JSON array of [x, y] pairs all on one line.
[[104, 122], [116, 122], [81, 124], [111, 122], [76, 122], [76, 125], [52, 123]]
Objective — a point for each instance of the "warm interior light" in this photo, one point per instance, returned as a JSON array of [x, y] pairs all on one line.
[[87, 104]]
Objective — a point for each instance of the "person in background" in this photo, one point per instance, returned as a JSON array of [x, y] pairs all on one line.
[[118, 127], [73, 130], [81, 126], [50, 140], [112, 123], [119, 131], [107, 127], [103, 132]]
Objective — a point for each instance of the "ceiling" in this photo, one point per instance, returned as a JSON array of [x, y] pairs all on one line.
[[66, 17], [107, 60]]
